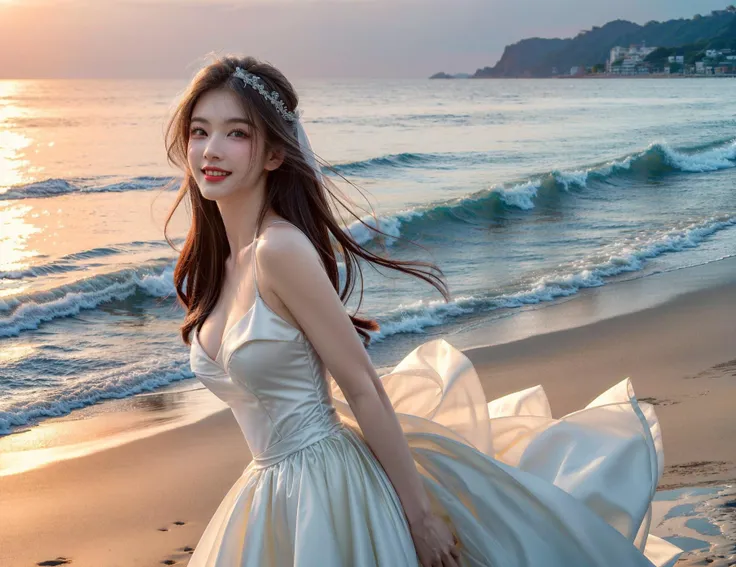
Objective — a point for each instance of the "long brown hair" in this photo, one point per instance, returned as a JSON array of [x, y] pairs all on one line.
[[293, 191]]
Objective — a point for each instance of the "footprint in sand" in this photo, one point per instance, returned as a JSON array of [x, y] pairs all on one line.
[[699, 467], [57, 561], [729, 366], [177, 523], [174, 559], [658, 402], [717, 371]]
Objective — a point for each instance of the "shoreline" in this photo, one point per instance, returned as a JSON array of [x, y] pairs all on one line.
[[149, 500], [115, 422], [624, 296]]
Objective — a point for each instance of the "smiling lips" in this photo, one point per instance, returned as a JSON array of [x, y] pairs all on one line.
[[214, 173]]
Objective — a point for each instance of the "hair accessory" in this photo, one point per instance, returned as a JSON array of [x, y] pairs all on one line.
[[273, 97]]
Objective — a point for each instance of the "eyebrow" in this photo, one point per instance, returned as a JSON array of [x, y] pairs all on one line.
[[228, 121]]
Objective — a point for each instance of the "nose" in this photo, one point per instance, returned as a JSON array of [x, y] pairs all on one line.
[[212, 149]]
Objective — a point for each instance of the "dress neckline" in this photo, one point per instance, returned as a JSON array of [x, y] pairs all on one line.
[[226, 335], [257, 293]]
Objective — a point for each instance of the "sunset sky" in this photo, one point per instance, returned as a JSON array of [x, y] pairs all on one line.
[[305, 38]]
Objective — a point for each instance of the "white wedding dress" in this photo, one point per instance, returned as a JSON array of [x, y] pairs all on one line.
[[518, 487]]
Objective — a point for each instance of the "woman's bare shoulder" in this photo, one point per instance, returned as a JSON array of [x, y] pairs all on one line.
[[285, 248]]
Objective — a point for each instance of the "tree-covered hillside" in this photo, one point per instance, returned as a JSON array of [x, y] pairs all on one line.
[[538, 57]]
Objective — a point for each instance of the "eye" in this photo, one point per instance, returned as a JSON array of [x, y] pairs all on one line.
[[195, 132]]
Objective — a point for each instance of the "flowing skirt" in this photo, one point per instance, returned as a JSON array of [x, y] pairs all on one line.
[[517, 487]]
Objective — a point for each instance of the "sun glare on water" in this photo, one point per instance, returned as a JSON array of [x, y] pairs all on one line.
[[13, 142]]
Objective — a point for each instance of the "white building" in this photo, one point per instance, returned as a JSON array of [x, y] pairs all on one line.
[[630, 58], [676, 59], [618, 53]]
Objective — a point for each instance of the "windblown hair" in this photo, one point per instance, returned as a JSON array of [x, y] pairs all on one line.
[[293, 191]]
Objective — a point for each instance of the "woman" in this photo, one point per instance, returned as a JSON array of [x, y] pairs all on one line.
[[349, 468]]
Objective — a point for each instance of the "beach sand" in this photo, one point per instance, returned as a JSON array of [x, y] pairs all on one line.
[[147, 502]]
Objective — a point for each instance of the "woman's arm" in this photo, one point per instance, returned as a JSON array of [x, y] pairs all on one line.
[[294, 272]]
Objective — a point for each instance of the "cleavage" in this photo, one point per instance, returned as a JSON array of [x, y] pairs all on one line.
[[239, 299], [226, 334]]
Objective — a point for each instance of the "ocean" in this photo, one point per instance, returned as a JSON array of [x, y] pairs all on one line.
[[525, 193]]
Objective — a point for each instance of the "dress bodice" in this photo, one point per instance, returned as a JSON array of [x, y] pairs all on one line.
[[272, 378]]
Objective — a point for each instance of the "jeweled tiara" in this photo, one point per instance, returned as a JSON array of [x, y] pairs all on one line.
[[273, 97]]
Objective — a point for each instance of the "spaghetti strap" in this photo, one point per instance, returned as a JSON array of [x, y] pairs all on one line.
[[253, 260]]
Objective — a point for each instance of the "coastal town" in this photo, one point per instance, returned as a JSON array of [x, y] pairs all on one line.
[[701, 46], [641, 60]]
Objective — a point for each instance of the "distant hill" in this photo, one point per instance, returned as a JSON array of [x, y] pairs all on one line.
[[443, 75], [538, 57]]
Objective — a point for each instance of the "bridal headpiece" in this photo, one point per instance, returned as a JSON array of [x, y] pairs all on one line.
[[255, 82]]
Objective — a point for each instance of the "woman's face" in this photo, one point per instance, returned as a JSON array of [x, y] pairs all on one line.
[[220, 136]]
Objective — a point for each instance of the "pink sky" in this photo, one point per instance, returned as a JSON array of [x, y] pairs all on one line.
[[305, 38]]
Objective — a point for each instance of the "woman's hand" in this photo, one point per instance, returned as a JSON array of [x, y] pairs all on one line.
[[435, 544]]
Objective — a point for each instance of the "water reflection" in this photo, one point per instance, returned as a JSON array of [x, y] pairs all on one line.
[[15, 232], [10, 354], [103, 426], [699, 520], [14, 167]]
